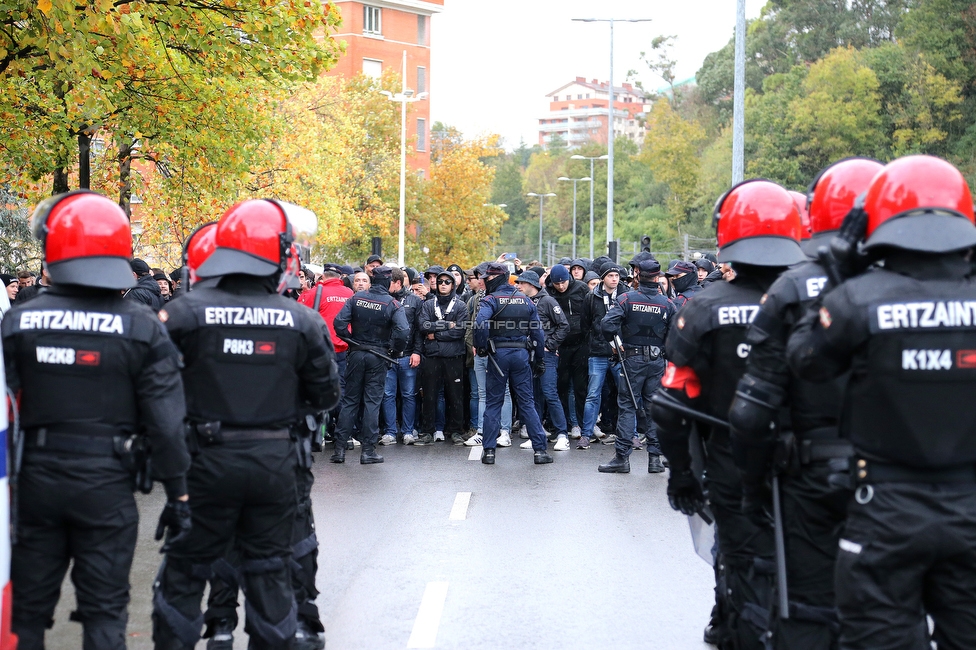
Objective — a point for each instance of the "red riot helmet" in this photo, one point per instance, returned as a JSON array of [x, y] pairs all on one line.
[[197, 248], [255, 236], [919, 203], [86, 240], [758, 223], [800, 200], [833, 192]]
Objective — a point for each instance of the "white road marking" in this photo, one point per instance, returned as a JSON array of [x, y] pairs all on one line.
[[424, 633], [460, 510], [475, 453]]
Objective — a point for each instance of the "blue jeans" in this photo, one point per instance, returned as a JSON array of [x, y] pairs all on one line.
[[597, 375], [481, 370], [475, 401], [547, 395], [404, 377], [514, 364]]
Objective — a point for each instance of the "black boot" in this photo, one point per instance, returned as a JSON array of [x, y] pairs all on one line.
[[339, 453], [488, 456], [369, 456], [619, 465], [306, 638], [221, 634], [542, 458], [654, 464]]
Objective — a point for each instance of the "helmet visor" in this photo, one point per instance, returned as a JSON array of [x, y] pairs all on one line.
[[926, 230]]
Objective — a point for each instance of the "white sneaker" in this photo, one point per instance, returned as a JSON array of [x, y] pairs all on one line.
[[473, 441], [526, 445], [598, 432], [504, 439], [575, 434], [409, 439], [524, 433], [562, 444], [387, 439], [356, 443], [438, 436]]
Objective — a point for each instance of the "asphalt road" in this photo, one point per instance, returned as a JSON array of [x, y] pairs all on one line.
[[552, 556]]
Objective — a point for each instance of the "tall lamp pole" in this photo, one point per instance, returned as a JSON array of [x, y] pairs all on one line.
[[574, 181], [542, 198], [591, 159], [739, 95], [611, 111], [404, 97]]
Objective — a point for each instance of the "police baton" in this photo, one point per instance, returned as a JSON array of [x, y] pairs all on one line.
[[15, 466], [668, 402], [623, 367], [359, 347]]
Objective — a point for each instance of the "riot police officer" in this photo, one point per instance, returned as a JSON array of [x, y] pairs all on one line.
[[813, 508], [255, 364], [907, 334], [758, 230], [508, 331], [641, 318], [373, 323], [95, 374]]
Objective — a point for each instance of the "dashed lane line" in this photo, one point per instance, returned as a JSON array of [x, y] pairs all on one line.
[[460, 510], [424, 633], [475, 453]]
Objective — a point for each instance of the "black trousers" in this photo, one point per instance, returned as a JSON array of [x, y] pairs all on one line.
[[446, 372], [746, 552], [365, 381], [80, 510], [222, 602], [908, 549], [243, 493], [813, 517], [573, 373]]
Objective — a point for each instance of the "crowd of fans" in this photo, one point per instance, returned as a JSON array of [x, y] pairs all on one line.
[[436, 389]]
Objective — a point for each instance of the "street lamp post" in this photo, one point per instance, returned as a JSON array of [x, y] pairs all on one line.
[[575, 181], [591, 159], [404, 97], [610, 126], [542, 198]]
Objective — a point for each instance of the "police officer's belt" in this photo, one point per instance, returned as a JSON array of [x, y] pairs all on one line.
[[871, 471], [523, 344], [823, 444], [651, 351], [89, 439], [215, 433]]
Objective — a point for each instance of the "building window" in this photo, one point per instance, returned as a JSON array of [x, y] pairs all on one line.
[[372, 20], [421, 79], [587, 95], [569, 97], [421, 134], [421, 30], [373, 68], [579, 96]]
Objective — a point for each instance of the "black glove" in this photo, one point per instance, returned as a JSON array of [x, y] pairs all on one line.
[[757, 500], [482, 352], [538, 367], [685, 493], [850, 261], [175, 521]]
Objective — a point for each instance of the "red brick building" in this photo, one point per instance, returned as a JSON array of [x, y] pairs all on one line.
[[376, 34]]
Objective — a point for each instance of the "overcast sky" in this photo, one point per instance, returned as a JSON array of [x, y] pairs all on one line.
[[494, 61]]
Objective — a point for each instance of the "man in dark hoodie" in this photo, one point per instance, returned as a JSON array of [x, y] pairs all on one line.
[[146, 290], [600, 361], [556, 327], [574, 352], [402, 377], [684, 280], [440, 329]]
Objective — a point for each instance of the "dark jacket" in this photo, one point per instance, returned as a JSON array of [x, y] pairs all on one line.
[[412, 304], [554, 321], [573, 302], [373, 319], [147, 292], [28, 293], [446, 326], [599, 303]]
